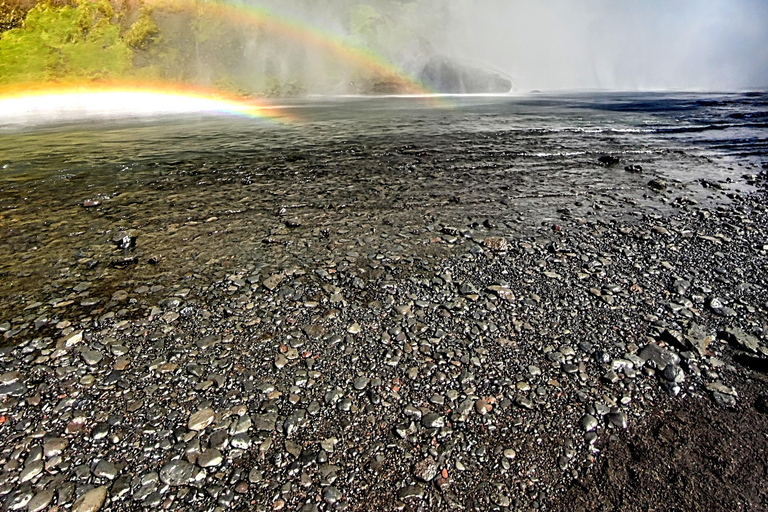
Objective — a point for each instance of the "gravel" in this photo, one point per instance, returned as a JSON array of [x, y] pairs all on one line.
[[452, 363]]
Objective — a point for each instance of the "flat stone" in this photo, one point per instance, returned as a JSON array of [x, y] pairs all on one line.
[[280, 361], [741, 339], [177, 472], [361, 383], [16, 389], [659, 357], [265, 422], [55, 446], [105, 469], [698, 338], [91, 501], [41, 500], [272, 281], [91, 357], [433, 420], [207, 341], [210, 458], [201, 419], [10, 378], [411, 491], [719, 387], [31, 471]]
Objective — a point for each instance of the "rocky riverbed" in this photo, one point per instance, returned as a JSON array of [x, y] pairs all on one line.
[[244, 350], [486, 378]]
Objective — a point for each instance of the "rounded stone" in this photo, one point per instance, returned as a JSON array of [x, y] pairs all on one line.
[[41, 500], [177, 472], [91, 501]]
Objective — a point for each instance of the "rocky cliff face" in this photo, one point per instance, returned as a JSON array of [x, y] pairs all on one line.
[[449, 76]]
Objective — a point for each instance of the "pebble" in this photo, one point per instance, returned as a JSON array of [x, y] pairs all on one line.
[[332, 374], [105, 469], [91, 501], [433, 420], [588, 422], [177, 472], [210, 458], [426, 469], [482, 407], [41, 500], [618, 419], [201, 419]]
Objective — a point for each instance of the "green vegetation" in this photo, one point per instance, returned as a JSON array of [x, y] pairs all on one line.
[[65, 43], [195, 43]]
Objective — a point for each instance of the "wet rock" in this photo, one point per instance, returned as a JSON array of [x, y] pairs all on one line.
[[210, 458], [10, 378], [105, 469], [608, 160], [331, 495], [41, 500], [658, 357], [673, 373], [199, 420], [618, 419], [741, 339], [91, 501], [588, 422], [177, 472], [432, 420], [31, 471], [54, 446]]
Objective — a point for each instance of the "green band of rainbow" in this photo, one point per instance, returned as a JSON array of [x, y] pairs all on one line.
[[299, 31]]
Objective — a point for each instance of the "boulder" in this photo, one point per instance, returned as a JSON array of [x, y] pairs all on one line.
[[449, 76]]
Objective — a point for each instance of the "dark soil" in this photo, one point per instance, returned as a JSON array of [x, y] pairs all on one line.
[[692, 455]]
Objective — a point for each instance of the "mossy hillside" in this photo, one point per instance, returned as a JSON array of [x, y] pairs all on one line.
[[65, 43]]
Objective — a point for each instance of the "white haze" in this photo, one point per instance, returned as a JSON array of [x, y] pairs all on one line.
[[617, 44], [714, 45]]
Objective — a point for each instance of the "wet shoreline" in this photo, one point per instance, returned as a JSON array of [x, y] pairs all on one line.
[[302, 331]]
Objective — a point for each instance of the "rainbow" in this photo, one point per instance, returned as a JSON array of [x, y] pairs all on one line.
[[68, 102], [298, 31]]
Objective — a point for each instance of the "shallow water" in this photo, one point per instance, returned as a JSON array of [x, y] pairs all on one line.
[[372, 176]]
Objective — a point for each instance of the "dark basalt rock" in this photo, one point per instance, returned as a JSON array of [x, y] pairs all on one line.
[[445, 75], [608, 160]]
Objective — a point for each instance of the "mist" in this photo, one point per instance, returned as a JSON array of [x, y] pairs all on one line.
[[715, 45], [330, 47], [617, 44]]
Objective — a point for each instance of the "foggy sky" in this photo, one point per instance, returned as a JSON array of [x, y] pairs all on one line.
[[714, 45]]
